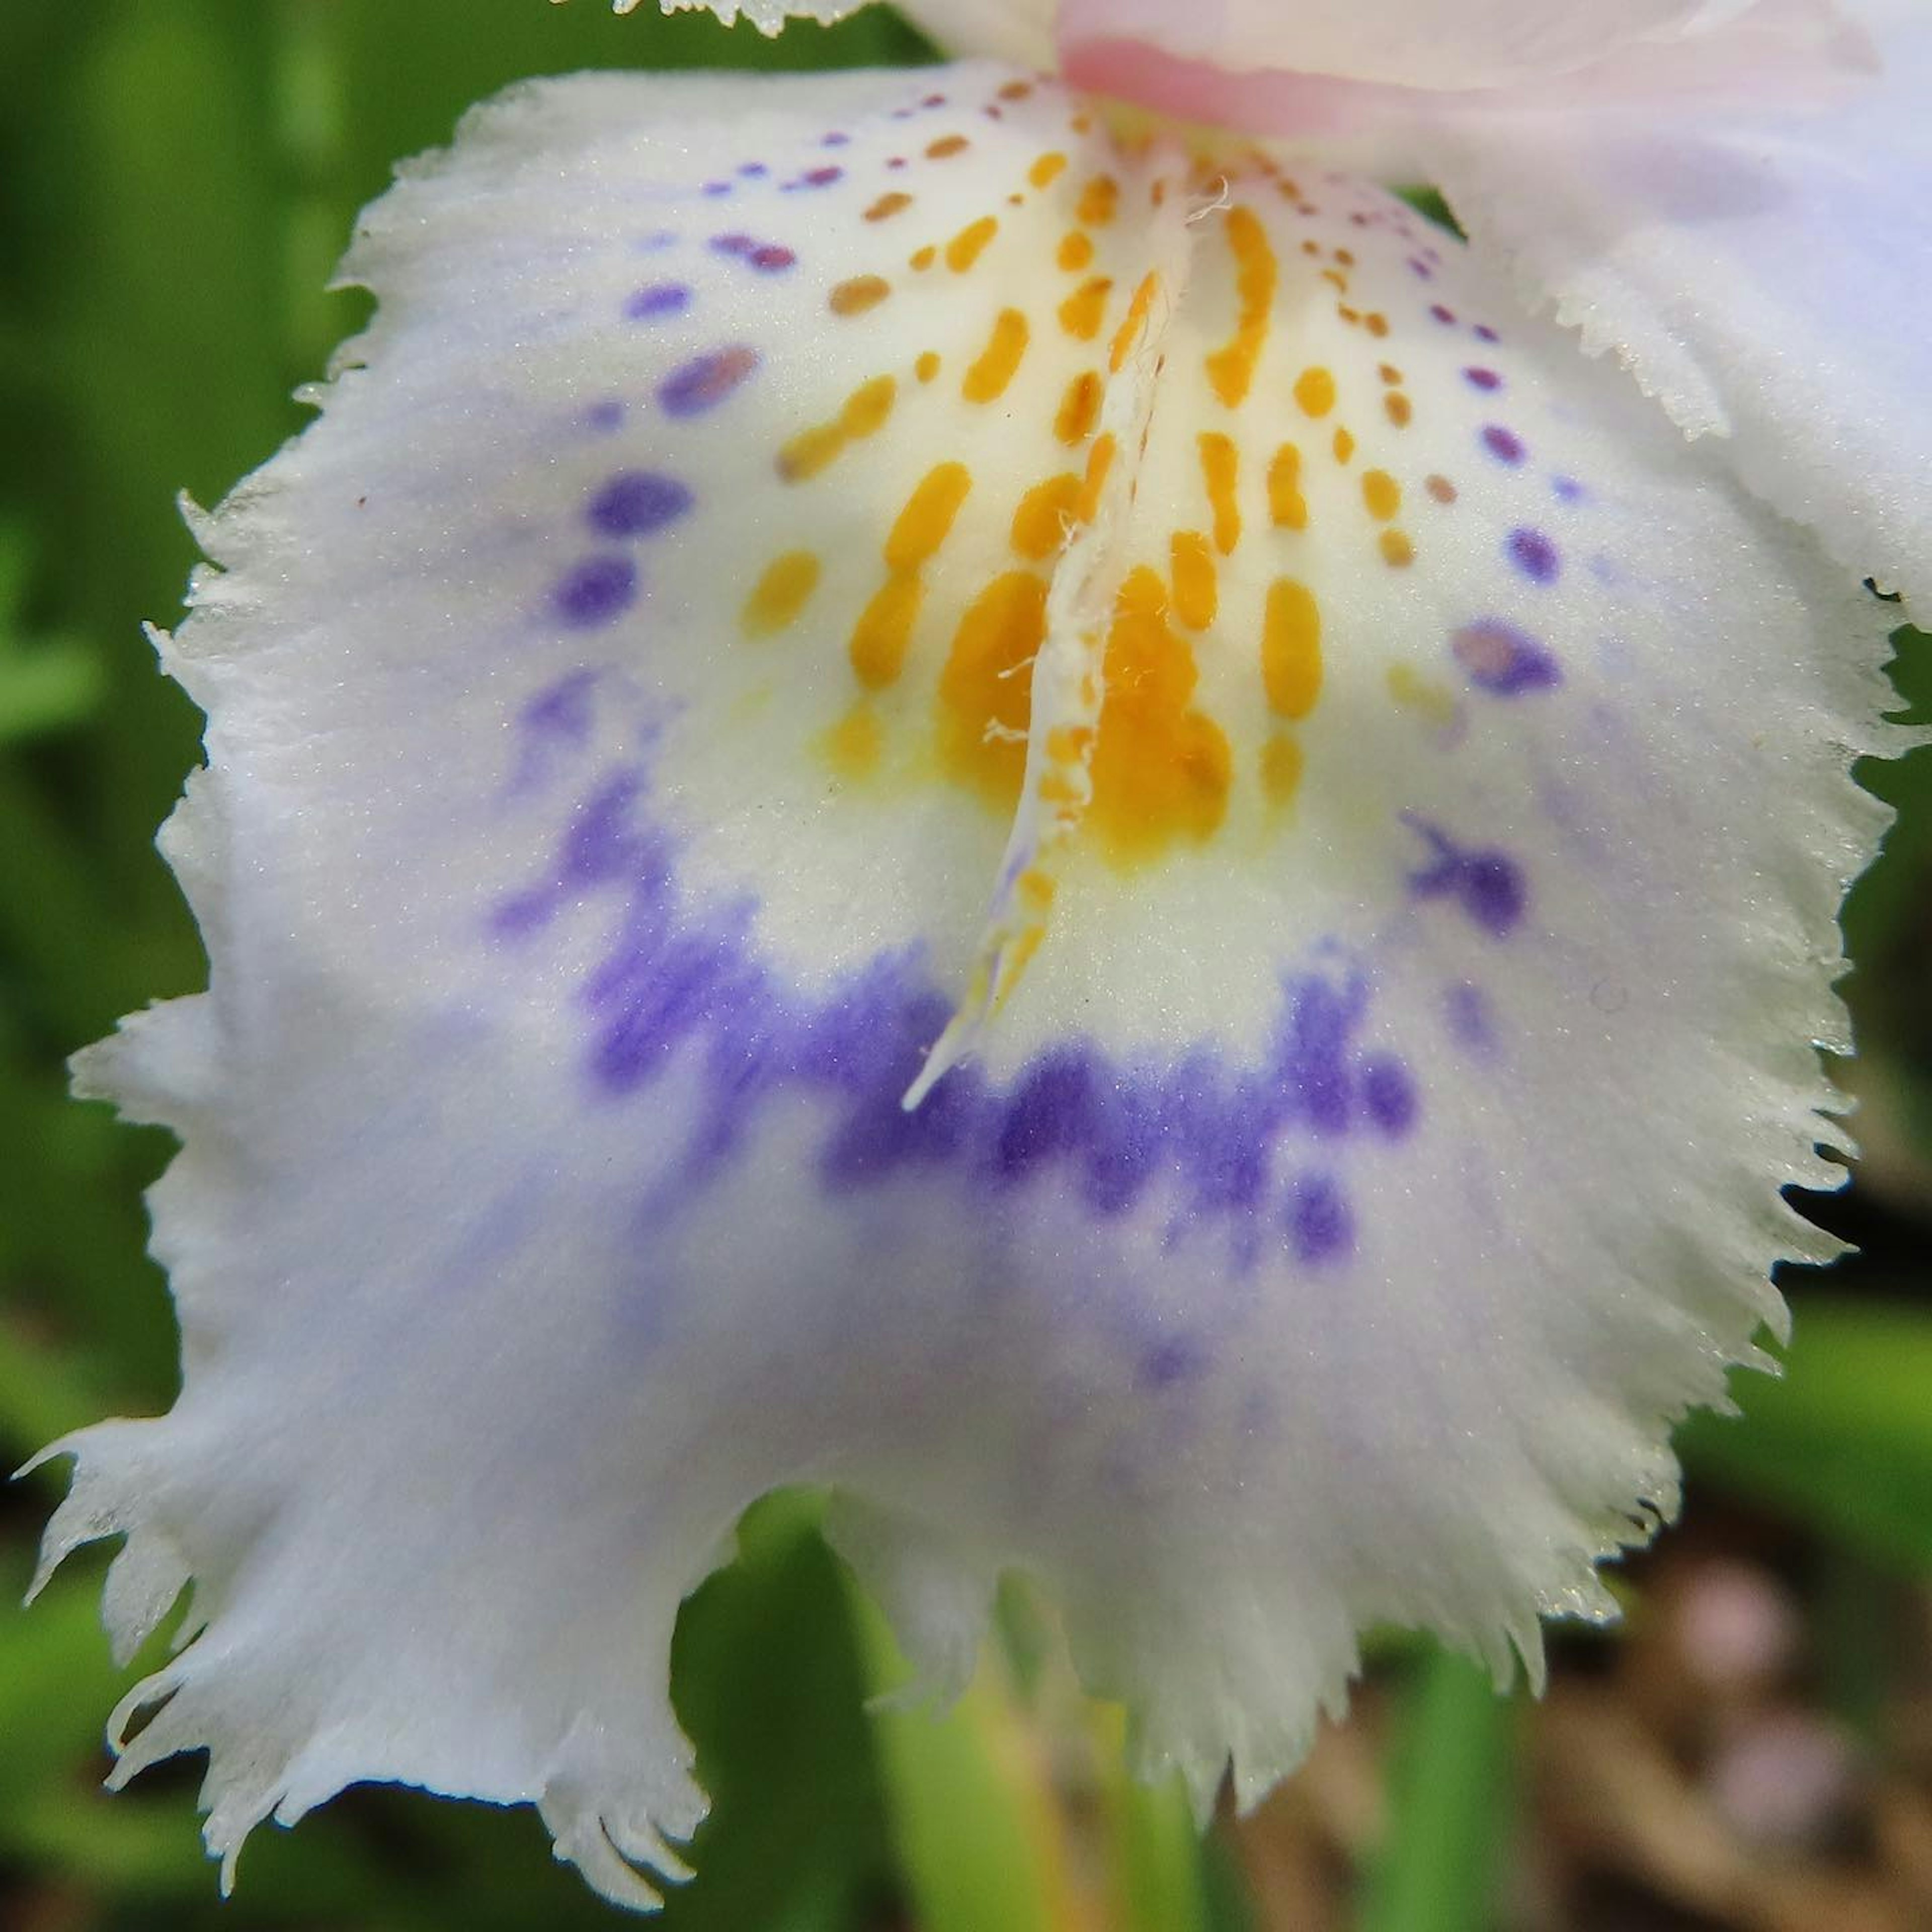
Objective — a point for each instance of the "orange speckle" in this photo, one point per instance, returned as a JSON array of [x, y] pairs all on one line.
[[1344, 445], [1281, 769], [1161, 770], [1375, 323], [1196, 595], [1099, 461], [1016, 90], [882, 634], [1219, 468], [1046, 514], [1309, 247], [861, 293], [1129, 333], [1388, 372], [780, 594], [1335, 279], [1351, 316], [1397, 408], [1098, 200], [865, 410], [1073, 422], [1398, 551], [1076, 250], [926, 521], [922, 259], [1292, 648], [1432, 702], [1381, 493], [984, 683], [966, 247], [853, 746], [1081, 312], [946, 146], [1342, 256], [927, 366], [887, 206], [1046, 170], [994, 368], [1231, 369], [1314, 390], [1287, 509], [1441, 488]]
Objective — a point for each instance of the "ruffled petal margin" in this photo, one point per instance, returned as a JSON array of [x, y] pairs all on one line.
[[761, 511]]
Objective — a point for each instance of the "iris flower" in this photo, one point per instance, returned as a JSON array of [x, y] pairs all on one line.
[[1035, 810]]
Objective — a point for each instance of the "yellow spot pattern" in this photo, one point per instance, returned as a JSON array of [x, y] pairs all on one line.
[[1220, 466], [994, 368], [1314, 390], [1292, 648], [1287, 509], [1161, 770], [1081, 313], [780, 594], [865, 412], [861, 293], [966, 247], [1231, 370], [1196, 594], [882, 634]]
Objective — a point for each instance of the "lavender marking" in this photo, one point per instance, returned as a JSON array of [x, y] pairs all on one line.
[[1503, 444], [660, 299], [1487, 884], [706, 381], [1502, 660], [1534, 554], [594, 591], [635, 502], [1320, 1225], [1482, 378]]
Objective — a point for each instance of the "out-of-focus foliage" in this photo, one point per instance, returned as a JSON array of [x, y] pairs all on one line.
[[176, 178]]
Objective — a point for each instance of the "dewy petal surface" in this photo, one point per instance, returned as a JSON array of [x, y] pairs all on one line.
[[1767, 277], [622, 701]]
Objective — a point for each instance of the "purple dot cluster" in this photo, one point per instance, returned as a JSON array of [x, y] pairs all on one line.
[[1254, 1150], [1487, 884]]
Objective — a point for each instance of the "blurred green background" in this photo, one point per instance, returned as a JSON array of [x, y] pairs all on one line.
[[176, 179]]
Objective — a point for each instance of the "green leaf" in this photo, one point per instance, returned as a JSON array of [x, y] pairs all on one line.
[[1449, 1809], [1843, 1440]]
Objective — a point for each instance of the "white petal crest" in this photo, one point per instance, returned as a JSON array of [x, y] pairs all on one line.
[[1767, 278], [620, 701]]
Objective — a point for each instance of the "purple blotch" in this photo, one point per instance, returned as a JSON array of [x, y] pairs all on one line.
[[1178, 1359], [823, 177], [594, 591], [1482, 378], [717, 188], [1442, 313], [754, 170], [834, 139], [1534, 554], [1388, 1094], [770, 257], [634, 502], [565, 709], [605, 416], [706, 380], [659, 299], [1465, 1012], [1566, 489], [1486, 884], [735, 243], [1504, 443], [1319, 1223], [1484, 333], [1420, 268], [1502, 660]]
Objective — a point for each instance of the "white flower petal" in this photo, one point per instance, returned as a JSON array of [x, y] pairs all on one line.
[[1485, 46], [1768, 279], [619, 709]]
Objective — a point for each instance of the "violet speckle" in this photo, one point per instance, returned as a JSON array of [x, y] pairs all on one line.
[[1534, 554], [706, 380], [635, 502], [1445, 316], [1503, 660], [1320, 1226], [658, 300], [1487, 884], [1388, 1094], [594, 591], [1503, 444], [1484, 333], [1479, 378]]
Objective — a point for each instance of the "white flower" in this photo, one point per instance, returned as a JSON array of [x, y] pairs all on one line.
[[819, 594]]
